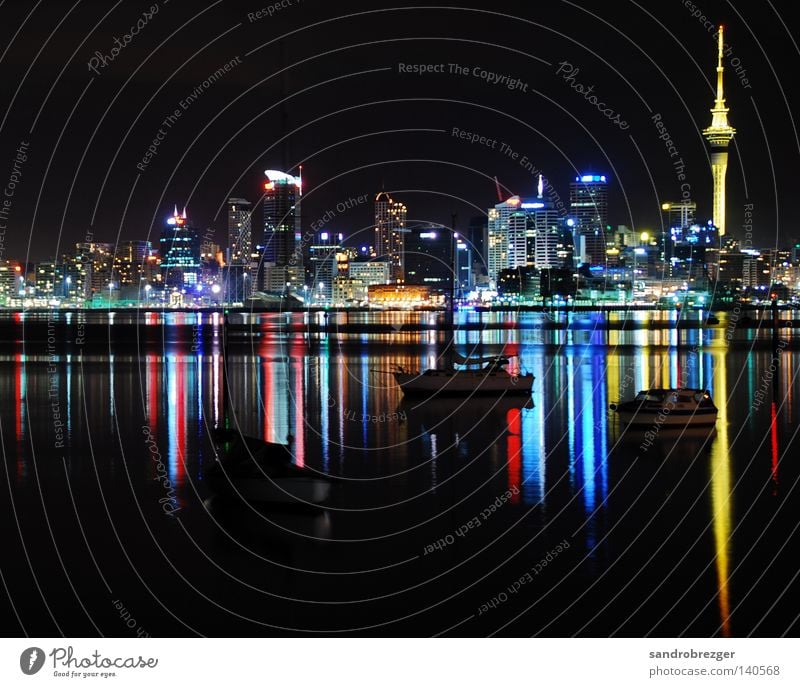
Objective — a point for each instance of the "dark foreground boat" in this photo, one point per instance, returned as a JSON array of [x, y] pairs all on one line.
[[668, 408], [256, 471]]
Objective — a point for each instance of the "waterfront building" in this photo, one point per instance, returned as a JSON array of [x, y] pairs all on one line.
[[521, 284], [371, 272], [46, 276], [347, 291], [399, 295], [11, 282], [131, 261]]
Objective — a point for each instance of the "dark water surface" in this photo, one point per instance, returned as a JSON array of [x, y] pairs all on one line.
[[474, 516]]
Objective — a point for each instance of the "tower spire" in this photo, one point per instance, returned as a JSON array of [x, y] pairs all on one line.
[[719, 135], [720, 70]]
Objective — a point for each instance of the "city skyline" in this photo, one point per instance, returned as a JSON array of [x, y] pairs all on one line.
[[209, 198]]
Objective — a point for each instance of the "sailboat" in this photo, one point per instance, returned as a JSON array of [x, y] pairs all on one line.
[[492, 379], [256, 471]]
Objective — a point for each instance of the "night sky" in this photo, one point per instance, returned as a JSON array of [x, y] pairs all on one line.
[[358, 125]]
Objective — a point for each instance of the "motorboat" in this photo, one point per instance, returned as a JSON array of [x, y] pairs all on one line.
[[260, 472], [668, 408], [492, 379]]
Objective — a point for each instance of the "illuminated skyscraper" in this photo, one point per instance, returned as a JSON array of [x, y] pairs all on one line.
[[390, 232], [508, 242], [719, 135], [544, 231], [239, 231], [280, 250], [588, 202], [525, 233], [179, 247], [588, 199]]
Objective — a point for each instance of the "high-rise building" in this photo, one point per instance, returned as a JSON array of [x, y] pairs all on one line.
[[544, 232], [179, 247], [588, 201], [680, 214], [240, 235], [390, 233], [507, 237], [526, 232], [280, 250], [322, 266], [465, 277], [719, 135], [131, 261], [692, 253], [46, 279]]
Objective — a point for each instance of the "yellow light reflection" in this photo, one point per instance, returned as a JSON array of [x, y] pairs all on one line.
[[721, 506]]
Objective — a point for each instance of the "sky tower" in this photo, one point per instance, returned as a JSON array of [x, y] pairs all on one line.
[[719, 135]]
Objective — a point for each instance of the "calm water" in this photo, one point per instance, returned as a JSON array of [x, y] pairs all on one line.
[[589, 534]]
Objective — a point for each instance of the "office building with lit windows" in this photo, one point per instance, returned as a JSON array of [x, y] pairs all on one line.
[[240, 238], [179, 247], [390, 234], [588, 202], [280, 249]]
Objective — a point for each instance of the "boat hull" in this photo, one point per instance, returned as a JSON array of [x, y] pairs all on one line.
[[638, 417]]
